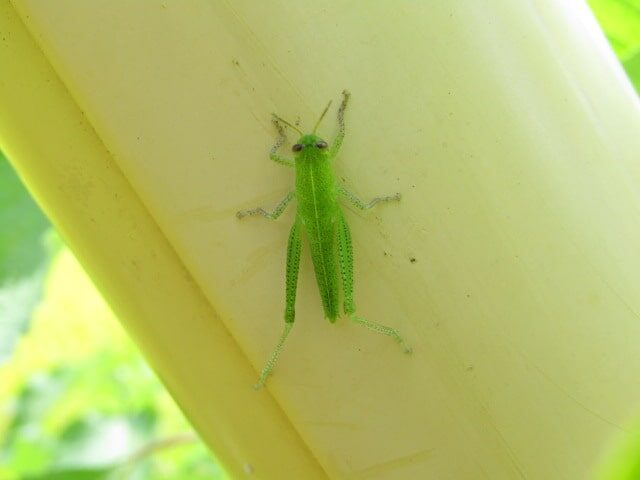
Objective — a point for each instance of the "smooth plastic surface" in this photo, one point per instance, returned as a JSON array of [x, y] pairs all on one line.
[[511, 265]]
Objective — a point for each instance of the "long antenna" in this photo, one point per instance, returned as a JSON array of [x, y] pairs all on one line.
[[322, 116], [286, 123]]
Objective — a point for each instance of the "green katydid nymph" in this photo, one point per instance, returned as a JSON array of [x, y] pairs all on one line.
[[319, 215]]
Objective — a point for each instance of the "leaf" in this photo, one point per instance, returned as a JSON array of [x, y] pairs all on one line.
[[24, 257], [620, 20], [632, 66]]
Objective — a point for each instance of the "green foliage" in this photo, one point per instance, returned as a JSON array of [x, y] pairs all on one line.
[[25, 252], [620, 20], [78, 400], [82, 402]]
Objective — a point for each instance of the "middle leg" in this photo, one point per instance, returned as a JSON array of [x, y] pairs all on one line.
[[270, 215], [366, 206]]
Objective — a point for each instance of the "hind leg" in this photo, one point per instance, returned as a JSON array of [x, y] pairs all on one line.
[[293, 266], [345, 253]]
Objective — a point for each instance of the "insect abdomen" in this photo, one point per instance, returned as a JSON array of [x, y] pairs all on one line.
[[317, 207], [323, 254]]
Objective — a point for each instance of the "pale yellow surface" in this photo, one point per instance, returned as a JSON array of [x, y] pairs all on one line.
[[509, 128]]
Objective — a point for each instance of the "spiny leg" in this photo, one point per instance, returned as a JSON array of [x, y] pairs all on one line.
[[337, 142], [279, 142], [268, 367], [345, 254], [366, 206], [376, 327], [271, 215], [293, 265]]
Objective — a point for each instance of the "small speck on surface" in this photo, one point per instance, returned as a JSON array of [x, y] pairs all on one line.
[[248, 468], [413, 260]]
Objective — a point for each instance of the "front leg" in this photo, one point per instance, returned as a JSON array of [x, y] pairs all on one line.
[[337, 142], [271, 215], [281, 139], [366, 206]]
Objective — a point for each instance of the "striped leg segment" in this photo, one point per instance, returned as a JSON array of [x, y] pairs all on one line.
[[293, 266], [345, 252]]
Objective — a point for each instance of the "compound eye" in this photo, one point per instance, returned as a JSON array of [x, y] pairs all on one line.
[[321, 144], [297, 147]]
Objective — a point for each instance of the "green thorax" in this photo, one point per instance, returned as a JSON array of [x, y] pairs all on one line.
[[315, 186]]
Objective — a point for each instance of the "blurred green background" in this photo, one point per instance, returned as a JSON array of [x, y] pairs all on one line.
[[77, 401]]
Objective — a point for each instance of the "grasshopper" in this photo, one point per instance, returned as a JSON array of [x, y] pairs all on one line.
[[319, 215]]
